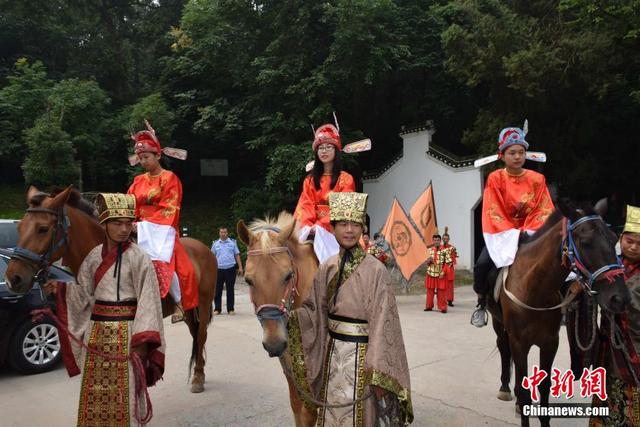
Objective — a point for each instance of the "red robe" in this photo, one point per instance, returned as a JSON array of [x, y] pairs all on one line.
[[450, 271], [512, 204], [313, 205], [436, 276], [158, 200]]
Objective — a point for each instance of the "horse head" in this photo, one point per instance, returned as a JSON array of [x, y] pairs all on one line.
[[589, 249], [275, 275], [41, 231]]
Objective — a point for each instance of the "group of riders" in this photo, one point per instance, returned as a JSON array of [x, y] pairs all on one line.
[[516, 203]]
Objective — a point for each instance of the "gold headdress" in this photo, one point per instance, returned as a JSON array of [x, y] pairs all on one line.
[[348, 207], [115, 205], [632, 224]]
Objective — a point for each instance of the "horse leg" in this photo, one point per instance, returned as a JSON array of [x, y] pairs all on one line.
[[296, 403], [502, 341], [519, 353], [547, 354], [204, 312]]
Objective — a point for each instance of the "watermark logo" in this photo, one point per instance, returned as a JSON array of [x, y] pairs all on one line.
[[593, 382]]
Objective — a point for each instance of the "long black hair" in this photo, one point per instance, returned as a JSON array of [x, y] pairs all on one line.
[[318, 169]]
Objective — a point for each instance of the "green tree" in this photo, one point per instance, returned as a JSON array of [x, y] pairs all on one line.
[[22, 100], [51, 156], [82, 109]]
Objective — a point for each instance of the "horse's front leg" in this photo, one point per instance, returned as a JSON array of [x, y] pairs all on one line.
[[547, 355], [502, 342], [519, 352]]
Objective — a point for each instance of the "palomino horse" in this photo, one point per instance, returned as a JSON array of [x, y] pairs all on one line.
[[280, 272], [528, 310], [64, 226]]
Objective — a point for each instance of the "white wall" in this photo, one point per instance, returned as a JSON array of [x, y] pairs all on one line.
[[456, 191]]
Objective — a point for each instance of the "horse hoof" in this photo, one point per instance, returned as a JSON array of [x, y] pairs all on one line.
[[505, 395], [197, 388]]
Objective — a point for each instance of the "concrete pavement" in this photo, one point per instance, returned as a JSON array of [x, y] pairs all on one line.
[[455, 370]]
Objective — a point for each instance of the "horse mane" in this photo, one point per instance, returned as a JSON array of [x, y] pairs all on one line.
[[552, 220], [262, 227], [75, 200]]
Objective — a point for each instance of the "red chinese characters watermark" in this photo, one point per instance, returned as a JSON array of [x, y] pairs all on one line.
[[562, 384], [531, 383], [592, 383]]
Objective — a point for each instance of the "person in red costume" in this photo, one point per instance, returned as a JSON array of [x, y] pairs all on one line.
[[450, 274], [327, 176], [515, 201], [158, 194]]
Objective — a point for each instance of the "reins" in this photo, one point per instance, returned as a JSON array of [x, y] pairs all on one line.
[[569, 252]]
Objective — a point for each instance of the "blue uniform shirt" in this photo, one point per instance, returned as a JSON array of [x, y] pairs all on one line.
[[225, 251]]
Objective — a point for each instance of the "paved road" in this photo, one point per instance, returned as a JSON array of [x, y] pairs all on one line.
[[454, 375]]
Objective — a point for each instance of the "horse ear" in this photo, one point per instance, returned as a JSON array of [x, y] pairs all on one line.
[[568, 208], [601, 207], [245, 235], [31, 192], [286, 232], [61, 198]]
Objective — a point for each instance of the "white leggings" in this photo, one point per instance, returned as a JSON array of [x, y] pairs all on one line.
[[174, 290]]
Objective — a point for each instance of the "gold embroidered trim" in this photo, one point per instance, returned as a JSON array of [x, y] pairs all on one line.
[[358, 256], [382, 380], [107, 310], [325, 381], [298, 366], [360, 384], [104, 394]]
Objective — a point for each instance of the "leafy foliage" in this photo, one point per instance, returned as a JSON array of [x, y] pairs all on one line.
[[50, 160], [245, 80]]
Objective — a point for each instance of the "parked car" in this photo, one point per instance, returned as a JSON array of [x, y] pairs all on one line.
[[8, 233], [27, 346]]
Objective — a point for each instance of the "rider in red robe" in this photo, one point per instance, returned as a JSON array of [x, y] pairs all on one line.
[[158, 194], [327, 176], [515, 201]]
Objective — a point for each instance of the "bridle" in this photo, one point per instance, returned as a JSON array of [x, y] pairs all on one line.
[[282, 310], [572, 259], [43, 261]]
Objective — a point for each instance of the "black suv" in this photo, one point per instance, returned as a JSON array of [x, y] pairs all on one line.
[[26, 346]]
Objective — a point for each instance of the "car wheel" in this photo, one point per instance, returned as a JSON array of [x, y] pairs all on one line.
[[35, 347]]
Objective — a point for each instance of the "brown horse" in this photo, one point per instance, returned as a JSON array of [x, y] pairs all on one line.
[[64, 226], [526, 318], [280, 272]]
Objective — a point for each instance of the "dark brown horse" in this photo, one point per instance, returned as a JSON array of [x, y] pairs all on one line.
[[280, 272], [63, 226], [535, 279]]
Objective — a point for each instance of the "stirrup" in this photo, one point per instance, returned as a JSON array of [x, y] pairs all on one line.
[[480, 317]]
